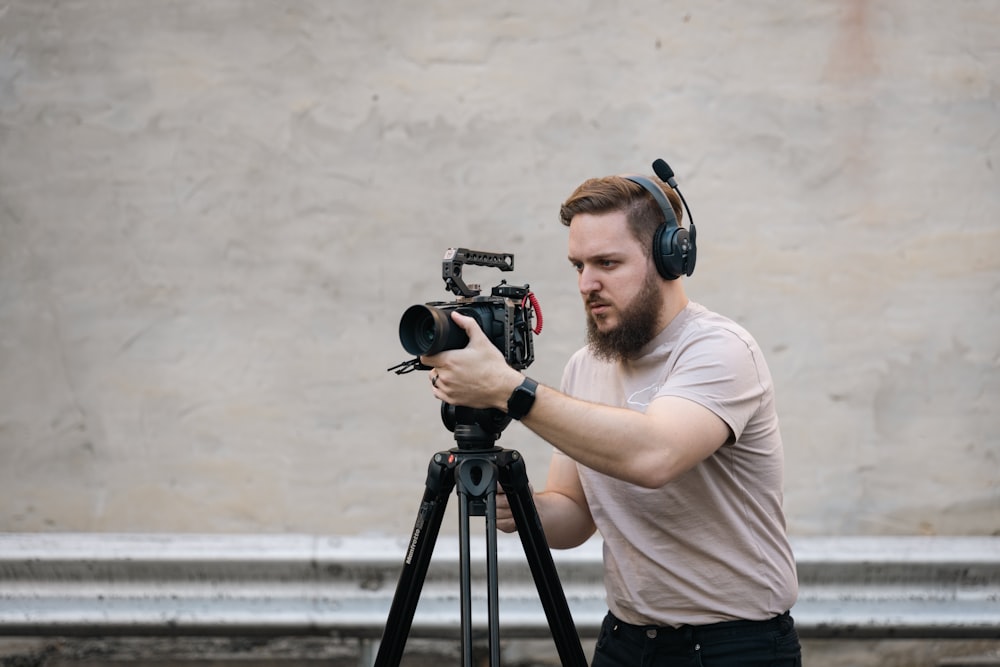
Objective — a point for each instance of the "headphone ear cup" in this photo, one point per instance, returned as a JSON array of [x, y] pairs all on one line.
[[672, 252], [691, 254]]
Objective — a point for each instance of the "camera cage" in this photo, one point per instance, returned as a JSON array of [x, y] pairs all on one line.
[[515, 299]]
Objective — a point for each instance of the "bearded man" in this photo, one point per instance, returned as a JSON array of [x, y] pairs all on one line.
[[666, 442]]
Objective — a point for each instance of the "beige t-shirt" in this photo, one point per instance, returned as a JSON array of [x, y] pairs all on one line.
[[710, 545]]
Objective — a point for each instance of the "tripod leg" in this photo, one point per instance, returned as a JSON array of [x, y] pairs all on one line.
[[477, 488], [514, 478], [465, 573], [440, 482], [493, 592]]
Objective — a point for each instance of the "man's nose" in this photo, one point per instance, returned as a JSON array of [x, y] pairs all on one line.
[[588, 282]]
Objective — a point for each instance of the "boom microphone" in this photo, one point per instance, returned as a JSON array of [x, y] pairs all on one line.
[[665, 173]]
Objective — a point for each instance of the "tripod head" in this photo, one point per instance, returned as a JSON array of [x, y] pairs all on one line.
[[474, 428]]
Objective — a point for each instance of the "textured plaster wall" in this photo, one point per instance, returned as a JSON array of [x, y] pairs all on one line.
[[212, 215]]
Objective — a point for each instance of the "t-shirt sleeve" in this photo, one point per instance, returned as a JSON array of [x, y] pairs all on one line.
[[719, 369]]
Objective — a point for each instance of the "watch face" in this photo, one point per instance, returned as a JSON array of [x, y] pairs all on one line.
[[522, 399]]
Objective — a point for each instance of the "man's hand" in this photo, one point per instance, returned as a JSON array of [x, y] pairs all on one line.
[[565, 517], [476, 376], [505, 518]]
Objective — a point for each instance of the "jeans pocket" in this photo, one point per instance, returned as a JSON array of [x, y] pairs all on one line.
[[605, 633], [787, 649]]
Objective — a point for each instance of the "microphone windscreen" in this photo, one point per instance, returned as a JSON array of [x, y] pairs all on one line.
[[664, 172]]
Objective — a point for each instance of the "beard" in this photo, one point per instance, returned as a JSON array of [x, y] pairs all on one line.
[[639, 323]]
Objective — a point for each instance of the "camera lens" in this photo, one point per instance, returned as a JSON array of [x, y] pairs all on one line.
[[426, 330], [426, 333]]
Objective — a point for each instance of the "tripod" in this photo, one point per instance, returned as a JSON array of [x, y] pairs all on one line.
[[475, 467]]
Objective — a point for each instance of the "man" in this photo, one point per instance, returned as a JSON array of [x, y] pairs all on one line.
[[666, 442]]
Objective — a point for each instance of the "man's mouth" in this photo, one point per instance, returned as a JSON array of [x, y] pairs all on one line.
[[597, 307]]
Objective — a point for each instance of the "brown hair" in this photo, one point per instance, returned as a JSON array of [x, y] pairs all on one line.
[[616, 193]]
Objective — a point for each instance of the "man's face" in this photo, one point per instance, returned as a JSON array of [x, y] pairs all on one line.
[[620, 289]]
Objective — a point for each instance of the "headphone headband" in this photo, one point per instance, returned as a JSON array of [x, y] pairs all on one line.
[[669, 217]]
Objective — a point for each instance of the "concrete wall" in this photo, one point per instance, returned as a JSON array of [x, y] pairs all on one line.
[[212, 215]]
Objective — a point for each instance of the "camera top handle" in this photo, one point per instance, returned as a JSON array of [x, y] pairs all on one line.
[[454, 258]]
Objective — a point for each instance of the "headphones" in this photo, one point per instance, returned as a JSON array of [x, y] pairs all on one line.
[[674, 249]]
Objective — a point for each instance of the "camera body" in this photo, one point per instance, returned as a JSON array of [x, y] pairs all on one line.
[[505, 316]]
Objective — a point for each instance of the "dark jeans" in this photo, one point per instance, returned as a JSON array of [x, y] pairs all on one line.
[[772, 643]]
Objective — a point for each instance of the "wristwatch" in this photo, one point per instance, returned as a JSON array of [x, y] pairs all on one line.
[[522, 399]]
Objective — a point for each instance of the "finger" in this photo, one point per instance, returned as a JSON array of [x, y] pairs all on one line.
[[506, 525], [461, 319], [504, 518], [468, 324]]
